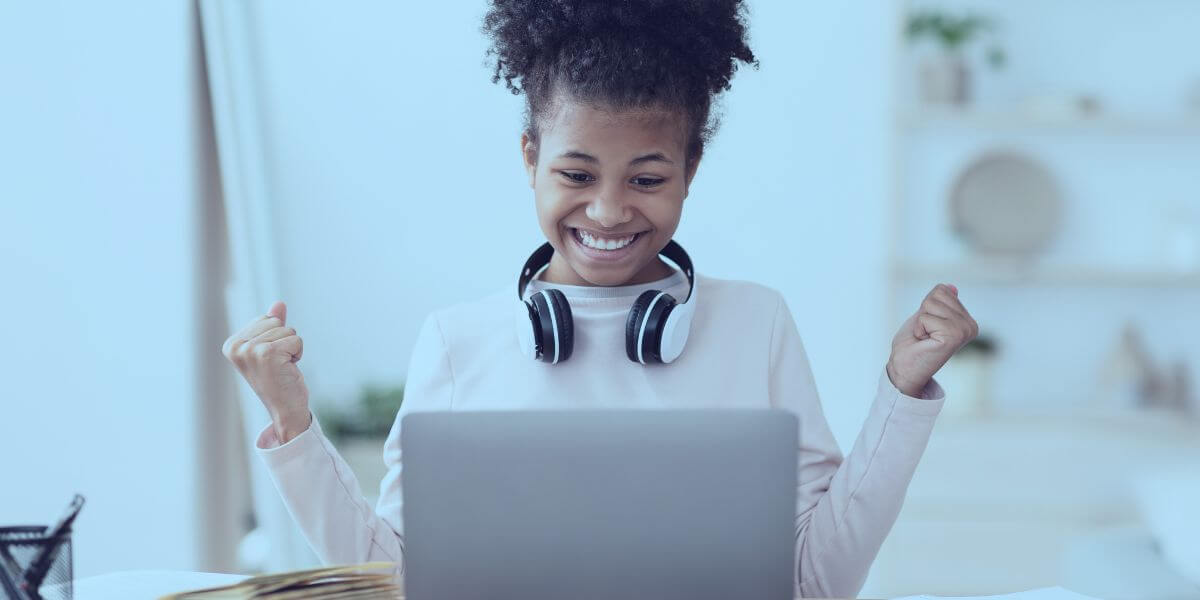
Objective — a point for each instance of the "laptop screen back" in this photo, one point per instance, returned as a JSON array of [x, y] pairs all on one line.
[[599, 504]]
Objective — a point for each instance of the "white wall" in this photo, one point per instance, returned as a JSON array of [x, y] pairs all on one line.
[[397, 181], [98, 196]]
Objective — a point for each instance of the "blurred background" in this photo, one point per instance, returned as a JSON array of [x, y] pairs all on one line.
[[169, 168]]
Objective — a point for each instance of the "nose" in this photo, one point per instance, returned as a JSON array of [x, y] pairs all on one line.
[[609, 209]]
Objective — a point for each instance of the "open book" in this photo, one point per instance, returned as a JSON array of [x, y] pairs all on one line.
[[340, 582]]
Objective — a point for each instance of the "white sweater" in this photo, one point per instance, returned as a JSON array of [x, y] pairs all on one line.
[[743, 351]]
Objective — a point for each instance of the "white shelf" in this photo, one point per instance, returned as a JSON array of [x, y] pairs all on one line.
[[1017, 121], [1065, 275]]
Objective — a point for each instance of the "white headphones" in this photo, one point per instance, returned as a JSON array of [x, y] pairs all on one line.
[[655, 330]]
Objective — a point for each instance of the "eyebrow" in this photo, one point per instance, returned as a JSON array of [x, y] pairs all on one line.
[[654, 156]]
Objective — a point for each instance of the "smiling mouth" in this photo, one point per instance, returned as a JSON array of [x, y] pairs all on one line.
[[600, 243]]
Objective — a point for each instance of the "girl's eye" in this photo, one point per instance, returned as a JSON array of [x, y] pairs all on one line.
[[647, 181], [576, 177]]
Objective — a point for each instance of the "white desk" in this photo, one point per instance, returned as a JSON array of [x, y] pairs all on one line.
[[147, 585]]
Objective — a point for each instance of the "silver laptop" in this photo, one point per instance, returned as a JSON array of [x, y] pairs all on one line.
[[607, 504]]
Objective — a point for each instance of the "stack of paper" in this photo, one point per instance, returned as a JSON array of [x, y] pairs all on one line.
[[342, 582]]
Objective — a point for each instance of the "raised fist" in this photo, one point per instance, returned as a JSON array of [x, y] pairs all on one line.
[[928, 338], [265, 352]]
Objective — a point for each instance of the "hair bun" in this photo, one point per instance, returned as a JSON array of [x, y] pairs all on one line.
[[704, 37], [625, 53]]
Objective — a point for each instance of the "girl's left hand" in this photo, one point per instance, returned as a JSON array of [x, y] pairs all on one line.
[[929, 338]]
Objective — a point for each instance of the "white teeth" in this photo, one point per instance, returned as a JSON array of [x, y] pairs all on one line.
[[604, 243]]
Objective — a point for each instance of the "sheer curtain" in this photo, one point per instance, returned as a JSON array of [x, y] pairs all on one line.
[[248, 275]]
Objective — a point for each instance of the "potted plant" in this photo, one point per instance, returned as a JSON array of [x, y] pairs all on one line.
[[360, 431], [945, 76], [967, 376], [371, 416]]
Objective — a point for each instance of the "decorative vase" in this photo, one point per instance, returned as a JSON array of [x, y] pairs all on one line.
[[945, 79]]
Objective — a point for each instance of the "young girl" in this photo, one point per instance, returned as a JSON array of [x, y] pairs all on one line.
[[618, 97]]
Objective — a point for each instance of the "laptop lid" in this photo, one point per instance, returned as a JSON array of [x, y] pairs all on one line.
[[599, 504]]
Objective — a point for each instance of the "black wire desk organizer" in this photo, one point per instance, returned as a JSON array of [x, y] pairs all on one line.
[[35, 561]]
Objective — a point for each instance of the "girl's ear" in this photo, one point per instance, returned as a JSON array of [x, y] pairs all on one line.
[[529, 157]]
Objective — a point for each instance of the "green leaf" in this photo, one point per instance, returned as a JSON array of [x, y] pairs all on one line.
[[996, 57], [950, 31]]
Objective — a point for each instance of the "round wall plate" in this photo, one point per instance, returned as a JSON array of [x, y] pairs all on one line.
[[1005, 203]]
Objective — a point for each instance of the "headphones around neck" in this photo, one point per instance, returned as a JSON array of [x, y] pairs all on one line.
[[655, 330]]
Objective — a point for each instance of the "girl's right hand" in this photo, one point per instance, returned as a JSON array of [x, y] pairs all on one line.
[[265, 352]]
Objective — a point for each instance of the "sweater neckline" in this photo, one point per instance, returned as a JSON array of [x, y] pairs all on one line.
[[606, 292]]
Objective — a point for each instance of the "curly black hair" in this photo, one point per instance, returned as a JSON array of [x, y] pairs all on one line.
[[620, 55]]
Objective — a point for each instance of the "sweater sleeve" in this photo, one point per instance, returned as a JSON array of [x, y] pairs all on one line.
[[322, 493], [845, 508]]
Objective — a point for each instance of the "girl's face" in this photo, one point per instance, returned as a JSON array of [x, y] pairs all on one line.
[[609, 190]]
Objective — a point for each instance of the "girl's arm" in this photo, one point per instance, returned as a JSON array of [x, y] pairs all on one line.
[[322, 493], [845, 509]]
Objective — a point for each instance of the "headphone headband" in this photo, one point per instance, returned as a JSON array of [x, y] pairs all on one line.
[[655, 330], [541, 257]]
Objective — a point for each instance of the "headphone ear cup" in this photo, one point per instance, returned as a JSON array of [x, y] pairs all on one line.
[[566, 324], [527, 328], [674, 334], [633, 323], [656, 320], [543, 328]]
